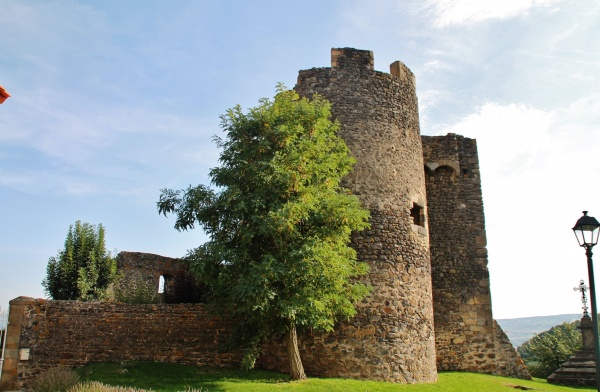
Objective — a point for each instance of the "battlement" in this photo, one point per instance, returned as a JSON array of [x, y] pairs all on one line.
[[352, 58], [357, 60], [402, 72]]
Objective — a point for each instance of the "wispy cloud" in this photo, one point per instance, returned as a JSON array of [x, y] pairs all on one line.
[[510, 136], [459, 12], [98, 148]]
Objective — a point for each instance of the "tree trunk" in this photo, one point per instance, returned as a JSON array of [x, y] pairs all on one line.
[[296, 368]]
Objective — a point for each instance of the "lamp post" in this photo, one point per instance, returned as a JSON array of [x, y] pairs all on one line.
[[586, 231]]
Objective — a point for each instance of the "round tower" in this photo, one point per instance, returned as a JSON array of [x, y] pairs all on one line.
[[392, 336]]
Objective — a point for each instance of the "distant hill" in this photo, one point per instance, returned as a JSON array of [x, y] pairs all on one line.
[[519, 330]]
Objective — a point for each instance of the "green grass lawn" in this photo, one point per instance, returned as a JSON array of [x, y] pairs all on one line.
[[176, 377]]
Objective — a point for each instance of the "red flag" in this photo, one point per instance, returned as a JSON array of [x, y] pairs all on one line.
[[3, 94]]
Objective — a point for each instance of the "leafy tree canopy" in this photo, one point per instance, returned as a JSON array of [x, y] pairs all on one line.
[[544, 353], [279, 224], [84, 269]]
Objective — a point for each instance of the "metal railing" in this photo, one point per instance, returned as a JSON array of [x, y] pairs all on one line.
[[3, 330]]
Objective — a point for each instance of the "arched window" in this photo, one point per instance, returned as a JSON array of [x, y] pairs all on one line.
[[164, 282], [161, 284]]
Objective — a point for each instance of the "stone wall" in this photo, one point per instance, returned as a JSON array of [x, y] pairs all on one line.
[[391, 337], [509, 362], [464, 327], [72, 333], [149, 267]]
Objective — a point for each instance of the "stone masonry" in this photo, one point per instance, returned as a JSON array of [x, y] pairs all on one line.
[[467, 337], [379, 118], [148, 266], [464, 328], [72, 333], [392, 336], [580, 368]]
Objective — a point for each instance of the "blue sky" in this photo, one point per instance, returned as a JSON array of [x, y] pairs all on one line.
[[112, 101]]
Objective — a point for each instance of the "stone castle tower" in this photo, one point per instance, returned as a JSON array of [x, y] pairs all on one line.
[[380, 123], [431, 303], [461, 286]]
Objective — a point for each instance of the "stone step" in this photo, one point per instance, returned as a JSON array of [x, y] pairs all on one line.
[[580, 369], [573, 381], [575, 374], [584, 364]]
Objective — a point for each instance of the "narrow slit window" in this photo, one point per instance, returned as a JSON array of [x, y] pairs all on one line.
[[164, 283], [161, 284], [416, 213]]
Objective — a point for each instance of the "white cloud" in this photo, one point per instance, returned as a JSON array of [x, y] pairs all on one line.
[[538, 169], [16, 180], [437, 65], [458, 12], [509, 136], [49, 148]]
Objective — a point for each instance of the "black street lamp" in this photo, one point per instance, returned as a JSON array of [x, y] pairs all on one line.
[[586, 231]]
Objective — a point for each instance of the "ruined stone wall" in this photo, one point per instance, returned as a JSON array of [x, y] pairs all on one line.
[[464, 328], [392, 337], [509, 362], [72, 333], [148, 266]]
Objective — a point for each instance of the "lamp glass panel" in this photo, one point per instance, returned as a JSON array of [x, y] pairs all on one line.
[[579, 236], [594, 237], [587, 235]]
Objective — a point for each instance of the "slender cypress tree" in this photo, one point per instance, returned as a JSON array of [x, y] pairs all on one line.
[[84, 269]]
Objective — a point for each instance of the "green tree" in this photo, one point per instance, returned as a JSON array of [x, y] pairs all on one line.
[[544, 353], [84, 269], [185, 288], [280, 224]]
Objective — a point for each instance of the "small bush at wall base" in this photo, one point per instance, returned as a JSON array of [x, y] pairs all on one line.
[[58, 379], [136, 290], [95, 386]]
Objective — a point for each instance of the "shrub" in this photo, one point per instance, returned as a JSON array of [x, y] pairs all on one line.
[[95, 386], [58, 379], [136, 290], [544, 353]]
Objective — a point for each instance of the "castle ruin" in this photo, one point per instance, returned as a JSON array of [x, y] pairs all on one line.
[[430, 309], [426, 246]]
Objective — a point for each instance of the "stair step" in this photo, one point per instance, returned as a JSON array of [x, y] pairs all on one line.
[[579, 369]]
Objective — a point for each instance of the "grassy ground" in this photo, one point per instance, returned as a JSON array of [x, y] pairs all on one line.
[[163, 377]]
